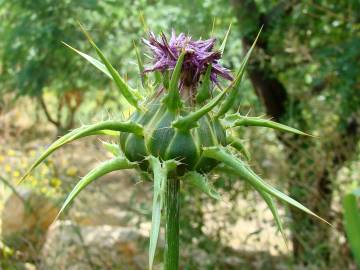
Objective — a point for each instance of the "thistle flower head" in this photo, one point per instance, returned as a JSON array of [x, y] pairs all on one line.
[[199, 55], [171, 139]]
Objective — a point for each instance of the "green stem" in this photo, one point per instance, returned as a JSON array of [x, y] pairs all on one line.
[[172, 203]]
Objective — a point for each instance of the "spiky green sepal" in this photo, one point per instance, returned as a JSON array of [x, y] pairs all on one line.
[[130, 94], [84, 132], [230, 99], [254, 180], [190, 121], [238, 145], [204, 90], [173, 100], [112, 148], [236, 120], [200, 182], [104, 168]]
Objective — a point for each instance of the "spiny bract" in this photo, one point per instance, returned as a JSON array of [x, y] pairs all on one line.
[[181, 125]]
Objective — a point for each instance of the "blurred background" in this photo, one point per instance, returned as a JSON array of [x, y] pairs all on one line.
[[305, 72]]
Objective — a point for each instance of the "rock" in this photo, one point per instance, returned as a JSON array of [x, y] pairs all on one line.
[[26, 216], [72, 247]]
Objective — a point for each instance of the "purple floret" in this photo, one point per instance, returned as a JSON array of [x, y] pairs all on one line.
[[199, 54]]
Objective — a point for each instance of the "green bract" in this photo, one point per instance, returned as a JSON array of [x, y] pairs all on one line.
[[178, 139]]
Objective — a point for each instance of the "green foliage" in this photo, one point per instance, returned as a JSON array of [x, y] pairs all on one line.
[[33, 56], [352, 222]]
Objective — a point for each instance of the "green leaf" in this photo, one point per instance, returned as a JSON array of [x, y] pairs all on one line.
[[235, 120], [223, 44], [230, 99], [238, 145], [84, 132], [130, 95], [352, 224], [246, 173], [173, 97], [158, 78], [104, 168], [190, 121], [201, 183], [112, 148], [204, 91], [106, 132], [160, 176], [144, 78], [270, 202], [100, 66]]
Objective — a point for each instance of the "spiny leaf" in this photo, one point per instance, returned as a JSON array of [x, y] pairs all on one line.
[[141, 67], [143, 22], [106, 132], [238, 145], [100, 66], [173, 97], [113, 148], [223, 44], [190, 121], [104, 168], [234, 120], [204, 91], [245, 172], [83, 132], [270, 202], [160, 177], [230, 99], [201, 183], [130, 95], [158, 79], [213, 27]]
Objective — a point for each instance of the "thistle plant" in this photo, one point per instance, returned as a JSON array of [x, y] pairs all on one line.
[[180, 130]]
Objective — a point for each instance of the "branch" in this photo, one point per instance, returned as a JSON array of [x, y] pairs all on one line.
[[46, 111]]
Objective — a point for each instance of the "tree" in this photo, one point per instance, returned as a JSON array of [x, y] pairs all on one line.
[[34, 59], [307, 75]]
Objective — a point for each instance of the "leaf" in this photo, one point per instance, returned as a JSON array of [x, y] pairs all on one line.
[[270, 202], [352, 223], [245, 172], [160, 177], [141, 67], [106, 132], [190, 120], [173, 97], [235, 120], [104, 168], [201, 183], [223, 44], [204, 91], [230, 99], [238, 145], [84, 132], [100, 66], [113, 148], [130, 95]]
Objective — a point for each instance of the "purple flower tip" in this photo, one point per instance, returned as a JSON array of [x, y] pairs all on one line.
[[199, 54]]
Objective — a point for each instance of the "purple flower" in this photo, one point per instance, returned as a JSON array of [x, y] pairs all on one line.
[[199, 54]]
